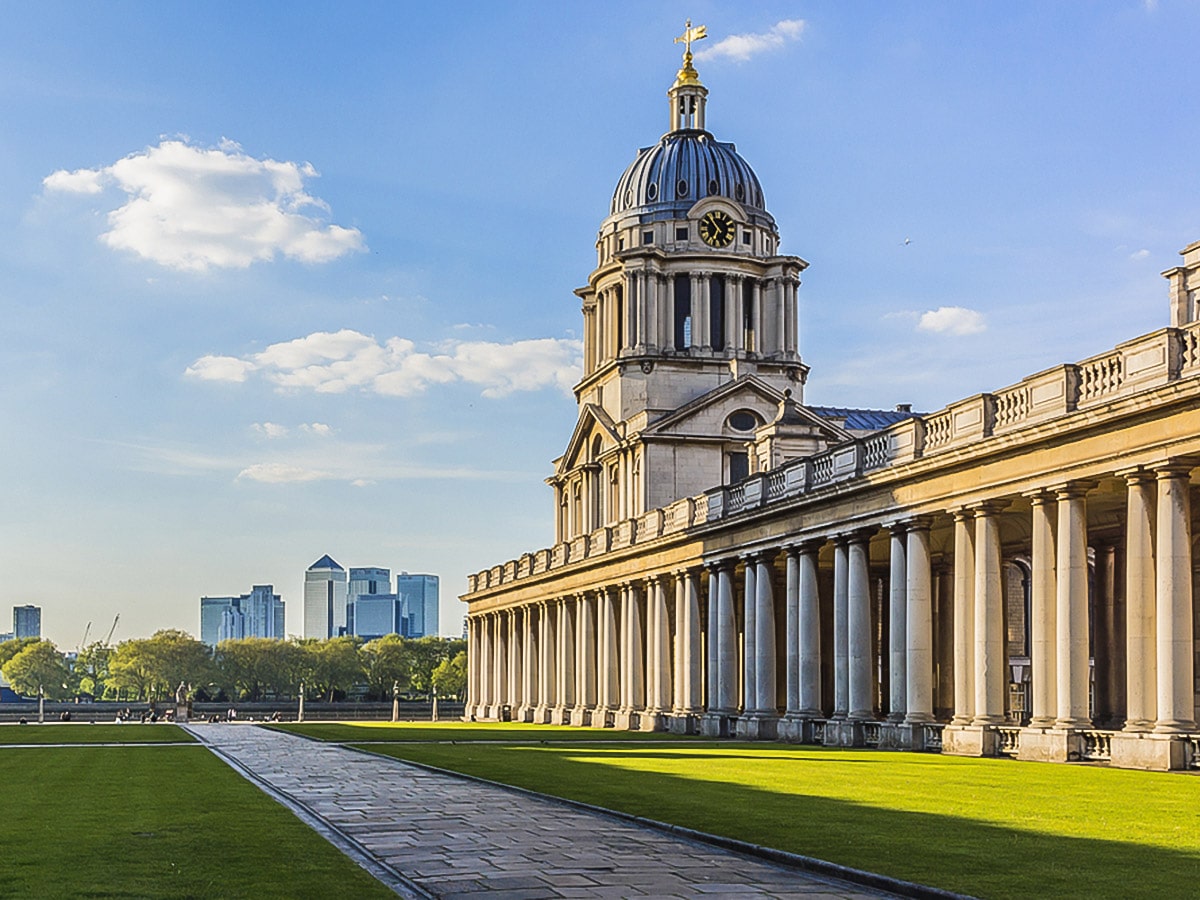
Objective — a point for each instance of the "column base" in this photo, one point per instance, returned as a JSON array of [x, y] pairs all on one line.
[[718, 724], [580, 717], [602, 717], [542, 714], [524, 713], [560, 715], [757, 727], [902, 736], [1153, 752], [843, 733], [626, 719], [1050, 745], [682, 723], [652, 720], [496, 712], [971, 740]]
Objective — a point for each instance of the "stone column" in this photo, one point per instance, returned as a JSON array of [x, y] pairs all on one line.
[[964, 617], [566, 662], [990, 665], [640, 323], [585, 679], [859, 628], [737, 314], [483, 624], [1173, 590], [727, 651], [1141, 678], [749, 636], [756, 318], [841, 633], [687, 624], [1072, 608], [712, 687], [1109, 706], [792, 614], [1043, 590], [919, 626], [764, 638], [658, 648], [609, 662], [473, 651], [635, 646], [528, 664], [781, 292], [897, 625], [809, 632], [545, 691], [513, 675], [653, 334]]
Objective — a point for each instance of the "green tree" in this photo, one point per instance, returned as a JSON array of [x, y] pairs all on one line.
[[387, 662], [336, 664], [450, 676], [39, 665], [252, 668], [10, 648], [90, 671], [427, 653], [151, 668]]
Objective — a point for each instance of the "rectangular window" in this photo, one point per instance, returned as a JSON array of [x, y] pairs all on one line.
[[681, 234], [745, 237], [683, 312], [716, 312], [620, 243], [647, 237], [739, 467]]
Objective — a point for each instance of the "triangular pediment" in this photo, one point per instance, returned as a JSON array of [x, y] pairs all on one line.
[[592, 420]]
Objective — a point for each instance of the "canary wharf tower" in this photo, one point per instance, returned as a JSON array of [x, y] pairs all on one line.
[[690, 337]]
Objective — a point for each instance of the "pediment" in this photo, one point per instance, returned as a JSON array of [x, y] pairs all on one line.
[[592, 420]]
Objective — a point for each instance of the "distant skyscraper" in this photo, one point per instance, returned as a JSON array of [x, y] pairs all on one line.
[[419, 594], [324, 599], [259, 613], [376, 615], [364, 581], [27, 621]]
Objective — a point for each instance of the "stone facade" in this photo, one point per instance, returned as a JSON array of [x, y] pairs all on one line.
[[1010, 575]]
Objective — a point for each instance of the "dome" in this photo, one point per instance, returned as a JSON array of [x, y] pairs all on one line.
[[666, 180]]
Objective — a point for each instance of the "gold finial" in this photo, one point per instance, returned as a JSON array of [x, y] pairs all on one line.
[[688, 74]]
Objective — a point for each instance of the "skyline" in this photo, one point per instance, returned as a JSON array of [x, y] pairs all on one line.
[[281, 287]]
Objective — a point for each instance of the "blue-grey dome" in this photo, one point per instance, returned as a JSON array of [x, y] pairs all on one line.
[[666, 180]]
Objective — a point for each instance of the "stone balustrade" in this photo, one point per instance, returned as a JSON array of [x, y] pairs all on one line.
[[1143, 363]]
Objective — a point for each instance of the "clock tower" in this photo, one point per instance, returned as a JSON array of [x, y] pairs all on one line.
[[690, 327]]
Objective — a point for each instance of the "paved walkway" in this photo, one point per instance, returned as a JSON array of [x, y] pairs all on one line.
[[427, 834]]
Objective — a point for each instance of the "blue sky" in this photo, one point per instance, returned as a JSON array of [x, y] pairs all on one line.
[[280, 280]]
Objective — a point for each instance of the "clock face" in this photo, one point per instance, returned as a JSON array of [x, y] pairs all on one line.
[[717, 229]]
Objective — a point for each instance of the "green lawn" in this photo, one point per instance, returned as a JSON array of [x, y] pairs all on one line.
[[60, 733], [165, 822], [991, 828], [341, 732]]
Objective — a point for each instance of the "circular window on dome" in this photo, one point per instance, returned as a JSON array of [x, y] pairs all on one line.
[[652, 192], [629, 198], [743, 420], [681, 188], [739, 192], [713, 187]]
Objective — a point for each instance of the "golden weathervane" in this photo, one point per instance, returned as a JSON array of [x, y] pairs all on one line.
[[699, 33]]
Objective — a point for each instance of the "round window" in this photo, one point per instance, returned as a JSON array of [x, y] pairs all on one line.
[[681, 189], [739, 192], [743, 421], [713, 187], [652, 191]]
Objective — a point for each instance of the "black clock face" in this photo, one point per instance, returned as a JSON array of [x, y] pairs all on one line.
[[717, 229]]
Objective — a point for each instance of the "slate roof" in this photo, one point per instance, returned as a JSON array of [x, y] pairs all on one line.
[[862, 419]]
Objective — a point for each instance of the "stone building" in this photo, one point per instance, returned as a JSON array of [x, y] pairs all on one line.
[[1012, 574]]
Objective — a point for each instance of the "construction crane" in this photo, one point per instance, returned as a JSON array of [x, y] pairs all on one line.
[[86, 632], [108, 640]]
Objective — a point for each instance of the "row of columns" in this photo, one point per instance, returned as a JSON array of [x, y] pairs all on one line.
[[638, 652]]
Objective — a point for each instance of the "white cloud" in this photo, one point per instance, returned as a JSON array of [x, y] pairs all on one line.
[[1139, 255], [336, 362], [320, 429], [742, 47], [955, 320], [270, 430], [280, 473], [192, 208]]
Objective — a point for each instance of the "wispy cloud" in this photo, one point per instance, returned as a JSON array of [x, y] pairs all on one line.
[[336, 362], [270, 430], [280, 473], [194, 208], [1139, 255], [954, 320], [743, 47]]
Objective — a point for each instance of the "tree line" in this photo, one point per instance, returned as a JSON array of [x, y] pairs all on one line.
[[248, 669]]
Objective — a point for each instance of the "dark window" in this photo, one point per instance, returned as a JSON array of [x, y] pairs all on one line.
[[683, 311], [620, 297], [652, 192], [745, 237], [743, 421], [681, 189], [620, 243], [681, 234], [739, 467], [739, 192], [647, 237], [713, 186], [716, 312]]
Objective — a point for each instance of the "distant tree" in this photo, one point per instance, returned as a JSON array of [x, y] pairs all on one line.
[[427, 654], [39, 665], [252, 668], [450, 676], [336, 664], [10, 648], [387, 661], [89, 673], [151, 668]]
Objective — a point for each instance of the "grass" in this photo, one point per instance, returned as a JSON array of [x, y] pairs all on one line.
[[174, 822], [341, 732], [991, 828], [93, 734]]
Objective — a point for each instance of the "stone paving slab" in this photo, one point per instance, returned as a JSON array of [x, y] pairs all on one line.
[[448, 837]]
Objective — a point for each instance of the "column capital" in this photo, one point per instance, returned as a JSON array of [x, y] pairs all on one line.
[[1174, 468], [988, 508], [1070, 490], [1040, 496]]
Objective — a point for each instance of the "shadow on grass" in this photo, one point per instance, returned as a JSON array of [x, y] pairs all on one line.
[[455, 731], [950, 851]]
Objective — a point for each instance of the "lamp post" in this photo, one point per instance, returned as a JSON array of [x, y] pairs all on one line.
[[300, 713], [396, 701], [434, 716], [41, 704]]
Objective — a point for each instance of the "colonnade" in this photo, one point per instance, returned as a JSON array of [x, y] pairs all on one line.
[[730, 312], [839, 629]]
